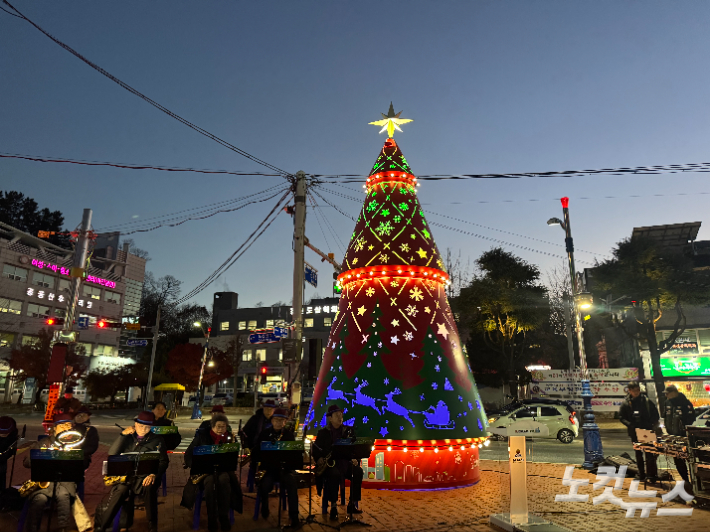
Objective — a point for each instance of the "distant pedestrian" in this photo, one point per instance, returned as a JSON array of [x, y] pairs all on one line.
[[639, 412], [68, 404]]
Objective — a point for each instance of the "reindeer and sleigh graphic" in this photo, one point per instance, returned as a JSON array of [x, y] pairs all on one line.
[[435, 417]]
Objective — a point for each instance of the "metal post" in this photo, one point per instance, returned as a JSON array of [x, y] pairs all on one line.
[[196, 412], [593, 452], [299, 240], [152, 361], [568, 326]]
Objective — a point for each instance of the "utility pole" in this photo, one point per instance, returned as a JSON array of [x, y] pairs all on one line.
[[299, 241], [152, 360], [568, 326], [196, 412], [57, 365]]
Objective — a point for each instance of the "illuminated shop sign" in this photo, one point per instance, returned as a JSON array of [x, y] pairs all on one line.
[[326, 309], [685, 366], [67, 271], [51, 296]]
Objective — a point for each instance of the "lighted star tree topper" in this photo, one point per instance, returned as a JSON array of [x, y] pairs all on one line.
[[394, 360]]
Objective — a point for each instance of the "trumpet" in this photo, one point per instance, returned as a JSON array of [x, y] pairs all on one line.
[[110, 481], [31, 486]]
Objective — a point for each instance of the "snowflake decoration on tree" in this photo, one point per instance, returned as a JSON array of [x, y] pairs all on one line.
[[408, 336], [460, 399], [372, 206], [421, 397], [397, 219], [404, 247], [411, 310], [416, 294], [437, 368], [385, 212], [384, 258], [379, 344], [385, 228], [386, 381], [365, 419], [370, 291], [394, 284], [369, 364], [426, 233], [434, 385], [360, 243], [465, 428], [403, 206]]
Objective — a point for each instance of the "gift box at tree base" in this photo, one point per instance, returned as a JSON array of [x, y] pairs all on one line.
[[394, 361]]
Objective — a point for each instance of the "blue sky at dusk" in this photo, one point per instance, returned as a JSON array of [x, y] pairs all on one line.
[[493, 87]]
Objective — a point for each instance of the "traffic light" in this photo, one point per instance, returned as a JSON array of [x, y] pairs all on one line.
[[54, 321], [262, 371], [336, 289], [105, 324]]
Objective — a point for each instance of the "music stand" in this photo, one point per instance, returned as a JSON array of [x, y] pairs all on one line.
[[133, 464], [281, 455], [167, 432], [352, 449], [56, 466]]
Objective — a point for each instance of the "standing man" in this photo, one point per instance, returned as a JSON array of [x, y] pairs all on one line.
[[679, 413], [639, 412], [136, 439], [171, 440], [277, 432], [349, 469], [257, 423], [68, 403]]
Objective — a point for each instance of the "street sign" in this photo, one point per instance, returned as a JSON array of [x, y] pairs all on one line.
[[136, 343], [280, 332], [29, 390], [311, 275], [133, 326], [83, 323], [263, 338], [289, 350]]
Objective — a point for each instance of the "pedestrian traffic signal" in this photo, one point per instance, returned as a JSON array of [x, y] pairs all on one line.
[[263, 370]]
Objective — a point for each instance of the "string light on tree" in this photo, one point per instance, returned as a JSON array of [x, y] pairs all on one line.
[[394, 361]]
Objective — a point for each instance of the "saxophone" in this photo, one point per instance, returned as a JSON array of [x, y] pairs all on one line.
[[196, 479], [30, 486], [260, 474], [320, 469], [64, 441], [110, 481]]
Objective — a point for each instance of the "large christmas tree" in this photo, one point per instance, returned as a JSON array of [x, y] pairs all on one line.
[[394, 361]]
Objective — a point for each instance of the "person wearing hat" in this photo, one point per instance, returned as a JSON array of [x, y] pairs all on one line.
[[136, 439], [206, 425], [161, 420], [89, 433], [65, 494], [679, 412], [8, 446], [260, 421], [272, 474], [222, 491], [68, 403], [348, 469], [639, 412]]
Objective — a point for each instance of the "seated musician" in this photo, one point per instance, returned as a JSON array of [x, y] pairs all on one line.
[[227, 489], [8, 446], [65, 494], [348, 469], [272, 474], [206, 425], [82, 424], [136, 439], [160, 411]]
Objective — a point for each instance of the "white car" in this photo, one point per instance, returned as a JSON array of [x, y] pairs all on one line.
[[703, 420], [540, 419]]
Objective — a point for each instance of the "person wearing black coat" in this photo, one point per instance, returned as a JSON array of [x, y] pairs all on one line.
[[348, 469], [639, 412], [136, 439], [222, 491], [679, 413], [273, 474], [8, 446], [171, 440], [65, 494], [89, 433]]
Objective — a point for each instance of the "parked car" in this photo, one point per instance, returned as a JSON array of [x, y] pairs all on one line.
[[703, 419], [224, 399], [281, 398], [527, 418]]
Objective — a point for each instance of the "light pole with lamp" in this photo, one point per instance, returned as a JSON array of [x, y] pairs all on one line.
[[196, 412], [593, 452]]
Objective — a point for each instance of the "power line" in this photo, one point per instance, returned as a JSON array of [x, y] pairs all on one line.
[[172, 216], [263, 225], [42, 159], [6, 11], [155, 104], [310, 198]]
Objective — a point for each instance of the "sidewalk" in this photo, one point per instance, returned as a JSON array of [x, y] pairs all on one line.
[[460, 510]]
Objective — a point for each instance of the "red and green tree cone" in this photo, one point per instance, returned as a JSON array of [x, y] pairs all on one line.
[[394, 361]]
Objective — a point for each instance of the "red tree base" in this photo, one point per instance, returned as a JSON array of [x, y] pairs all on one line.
[[411, 465]]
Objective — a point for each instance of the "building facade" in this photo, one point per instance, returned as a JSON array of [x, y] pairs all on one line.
[[35, 286], [231, 323]]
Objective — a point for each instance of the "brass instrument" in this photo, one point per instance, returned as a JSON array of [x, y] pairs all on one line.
[[320, 468], [31, 486], [110, 481], [196, 479]]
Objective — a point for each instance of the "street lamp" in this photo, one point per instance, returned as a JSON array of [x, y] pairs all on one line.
[[196, 412], [582, 300]]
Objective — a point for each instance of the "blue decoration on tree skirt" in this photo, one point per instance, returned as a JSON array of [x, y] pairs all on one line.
[[465, 428], [395, 407], [369, 364], [349, 422], [387, 381], [334, 394], [365, 420], [470, 406], [364, 400], [447, 385], [460, 399], [437, 368], [478, 405], [434, 385], [465, 412], [384, 431], [480, 425], [324, 421], [401, 428]]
